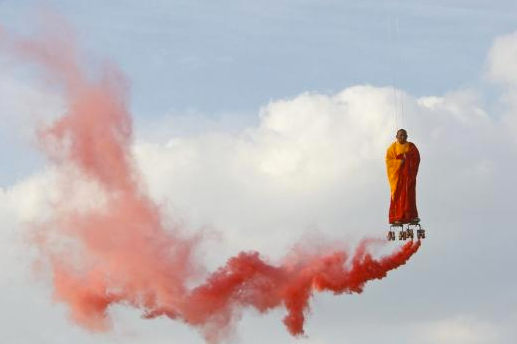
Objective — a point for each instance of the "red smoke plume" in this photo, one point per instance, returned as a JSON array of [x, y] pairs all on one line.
[[123, 252]]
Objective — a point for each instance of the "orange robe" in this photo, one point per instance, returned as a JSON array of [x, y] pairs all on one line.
[[402, 179]]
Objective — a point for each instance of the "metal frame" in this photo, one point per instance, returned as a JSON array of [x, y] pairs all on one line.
[[406, 231]]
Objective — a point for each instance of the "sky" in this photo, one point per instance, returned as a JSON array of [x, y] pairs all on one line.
[[266, 124]]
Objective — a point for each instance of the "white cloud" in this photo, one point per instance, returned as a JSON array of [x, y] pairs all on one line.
[[312, 162], [501, 59], [316, 161], [459, 330], [501, 68], [267, 185]]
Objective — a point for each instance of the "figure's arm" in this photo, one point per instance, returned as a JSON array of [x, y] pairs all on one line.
[[402, 158], [393, 161], [392, 168], [417, 159], [414, 155]]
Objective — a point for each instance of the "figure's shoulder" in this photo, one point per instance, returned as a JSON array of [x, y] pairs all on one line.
[[412, 145], [392, 145], [390, 151]]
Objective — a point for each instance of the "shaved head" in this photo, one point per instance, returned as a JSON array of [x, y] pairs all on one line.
[[401, 136]]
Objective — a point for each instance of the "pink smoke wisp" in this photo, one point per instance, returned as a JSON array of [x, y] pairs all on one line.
[[124, 252]]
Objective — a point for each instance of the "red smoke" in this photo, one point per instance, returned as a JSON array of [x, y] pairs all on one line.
[[124, 252]]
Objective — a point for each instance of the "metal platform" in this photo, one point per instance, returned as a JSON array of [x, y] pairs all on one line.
[[406, 231]]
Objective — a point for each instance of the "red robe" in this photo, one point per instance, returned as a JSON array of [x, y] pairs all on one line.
[[402, 178]]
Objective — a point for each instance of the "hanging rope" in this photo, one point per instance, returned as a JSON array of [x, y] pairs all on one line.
[[398, 101], [401, 95], [390, 63]]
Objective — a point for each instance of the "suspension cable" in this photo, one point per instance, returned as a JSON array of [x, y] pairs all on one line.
[[401, 98], [392, 73]]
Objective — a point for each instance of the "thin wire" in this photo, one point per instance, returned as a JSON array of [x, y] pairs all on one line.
[[400, 64], [391, 63]]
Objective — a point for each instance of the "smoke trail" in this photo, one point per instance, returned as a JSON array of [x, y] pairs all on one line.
[[247, 280], [122, 251]]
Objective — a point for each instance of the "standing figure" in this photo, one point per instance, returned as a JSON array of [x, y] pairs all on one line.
[[402, 160]]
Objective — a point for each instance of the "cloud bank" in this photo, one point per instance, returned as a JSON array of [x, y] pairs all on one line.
[[313, 162], [110, 244]]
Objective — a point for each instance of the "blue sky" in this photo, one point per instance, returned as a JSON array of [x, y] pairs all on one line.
[[216, 56], [252, 118], [220, 57]]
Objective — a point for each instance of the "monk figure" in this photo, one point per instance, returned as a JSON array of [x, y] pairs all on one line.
[[402, 160]]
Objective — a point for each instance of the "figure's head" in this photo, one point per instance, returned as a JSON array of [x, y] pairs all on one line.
[[401, 136]]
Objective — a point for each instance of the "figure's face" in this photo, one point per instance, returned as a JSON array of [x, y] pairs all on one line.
[[402, 136]]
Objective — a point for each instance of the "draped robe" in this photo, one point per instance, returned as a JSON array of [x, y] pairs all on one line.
[[402, 179]]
